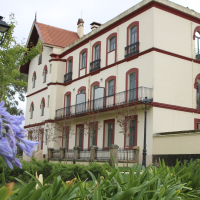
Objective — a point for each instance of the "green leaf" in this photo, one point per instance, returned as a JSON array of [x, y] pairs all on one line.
[[37, 194], [50, 177], [26, 190], [55, 191], [130, 192], [22, 182], [38, 182]]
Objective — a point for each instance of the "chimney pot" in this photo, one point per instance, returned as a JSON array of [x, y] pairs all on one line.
[[95, 25]]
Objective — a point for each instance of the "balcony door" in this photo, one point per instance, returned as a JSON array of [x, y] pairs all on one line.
[[98, 98], [110, 134], [132, 90], [67, 105], [110, 97], [133, 39]]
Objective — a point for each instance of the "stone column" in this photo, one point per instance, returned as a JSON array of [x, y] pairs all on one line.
[[93, 153], [50, 153], [114, 151], [62, 153], [136, 154], [77, 152]]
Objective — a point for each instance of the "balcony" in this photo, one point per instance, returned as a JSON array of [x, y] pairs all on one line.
[[132, 50], [197, 53], [129, 96], [95, 65], [68, 77]]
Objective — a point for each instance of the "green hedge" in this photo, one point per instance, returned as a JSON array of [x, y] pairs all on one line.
[[67, 172]]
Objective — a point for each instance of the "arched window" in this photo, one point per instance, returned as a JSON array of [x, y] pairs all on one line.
[[111, 87], [112, 43], [42, 106], [44, 74], [83, 60], [197, 45], [31, 110], [110, 90], [132, 85], [132, 39], [96, 56], [33, 79]]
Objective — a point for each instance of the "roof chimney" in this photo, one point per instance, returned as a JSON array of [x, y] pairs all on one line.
[[95, 25], [80, 27]]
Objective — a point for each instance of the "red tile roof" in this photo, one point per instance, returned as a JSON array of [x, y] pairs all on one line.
[[56, 36]]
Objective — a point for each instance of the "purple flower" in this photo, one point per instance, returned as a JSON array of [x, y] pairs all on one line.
[[11, 136]]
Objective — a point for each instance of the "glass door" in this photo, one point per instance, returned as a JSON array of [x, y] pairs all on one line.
[[110, 133], [132, 91]]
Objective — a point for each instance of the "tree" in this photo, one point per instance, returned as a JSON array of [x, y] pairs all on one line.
[[92, 126], [12, 56], [125, 116]]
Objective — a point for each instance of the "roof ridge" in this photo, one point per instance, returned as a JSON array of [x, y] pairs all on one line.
[[55, 27]]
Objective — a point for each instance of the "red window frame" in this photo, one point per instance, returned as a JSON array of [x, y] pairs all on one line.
[[70, 58], [93, 49], [81, 88], [32, 104], [91, 89], [67, 139], [80, 58], [130, 71], [43, 100], [196, 122], [113, 136], [96, 135], [136, 23], [67, 93], [34, 74], [77, 126], [131, 147], [106, 87], [107, 47]]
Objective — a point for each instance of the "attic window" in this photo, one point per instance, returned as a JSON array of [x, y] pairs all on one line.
[[40, 59]]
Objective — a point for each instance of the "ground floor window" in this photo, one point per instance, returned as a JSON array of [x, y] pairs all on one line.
[[79, 135], [108, 137]]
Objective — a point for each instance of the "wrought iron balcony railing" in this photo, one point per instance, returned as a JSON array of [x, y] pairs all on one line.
[[121, 98], [132, 49], [197, 53], [95, 65], [68, 77]]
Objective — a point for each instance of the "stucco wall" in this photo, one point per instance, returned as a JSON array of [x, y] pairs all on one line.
[[186, 143]]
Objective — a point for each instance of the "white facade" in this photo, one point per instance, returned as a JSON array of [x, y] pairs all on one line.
[[166, 64]]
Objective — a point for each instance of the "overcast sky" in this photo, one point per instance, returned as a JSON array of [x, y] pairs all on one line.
[[65, 13]]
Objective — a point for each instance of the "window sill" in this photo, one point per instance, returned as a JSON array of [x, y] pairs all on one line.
[[82, 68], [33, 87], [44, 82], [39, 63], [111, 51]]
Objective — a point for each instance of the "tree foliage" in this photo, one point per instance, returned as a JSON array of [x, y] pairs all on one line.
[[12, 56]]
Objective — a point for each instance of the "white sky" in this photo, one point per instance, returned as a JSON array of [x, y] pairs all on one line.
[[65, 13]]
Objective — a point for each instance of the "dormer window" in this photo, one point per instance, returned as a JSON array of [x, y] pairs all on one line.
[[83, 63], [40, 59]]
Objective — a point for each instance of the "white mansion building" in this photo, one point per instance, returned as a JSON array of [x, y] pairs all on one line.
[[147, 51]]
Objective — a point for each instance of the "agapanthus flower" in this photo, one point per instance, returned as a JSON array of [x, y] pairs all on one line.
[[11, 136]]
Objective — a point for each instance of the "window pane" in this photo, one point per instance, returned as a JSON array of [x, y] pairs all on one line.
[[80, 136], [45, 72], [132, 134], [134, 35], [96, 52], [69, 66], [110, 132], [111, 87], [112, 44], [84, 60]]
